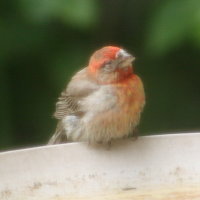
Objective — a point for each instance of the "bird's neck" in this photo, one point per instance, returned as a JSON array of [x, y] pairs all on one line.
[[109, 78]]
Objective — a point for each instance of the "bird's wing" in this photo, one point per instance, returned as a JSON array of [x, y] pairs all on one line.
[[79, 87], [68, 103]]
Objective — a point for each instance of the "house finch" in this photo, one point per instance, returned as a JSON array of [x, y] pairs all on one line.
[[102, 102]]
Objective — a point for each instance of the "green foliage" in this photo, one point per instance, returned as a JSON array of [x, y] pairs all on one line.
[[174, 22], [77, 13]]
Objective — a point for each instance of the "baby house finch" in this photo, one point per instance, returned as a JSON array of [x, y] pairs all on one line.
[[102, 102]]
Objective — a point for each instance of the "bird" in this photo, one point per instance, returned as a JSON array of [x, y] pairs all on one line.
[[102, 102]]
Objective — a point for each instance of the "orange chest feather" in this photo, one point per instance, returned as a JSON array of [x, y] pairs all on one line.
[[130, 93]]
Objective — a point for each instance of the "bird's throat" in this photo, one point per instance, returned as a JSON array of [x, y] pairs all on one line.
[[120, 75], [124, 72]]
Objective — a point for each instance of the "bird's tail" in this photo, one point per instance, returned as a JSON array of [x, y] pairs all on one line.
[[59, 136]]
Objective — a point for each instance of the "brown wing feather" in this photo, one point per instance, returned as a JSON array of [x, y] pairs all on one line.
[[66, 105], [79, 87]]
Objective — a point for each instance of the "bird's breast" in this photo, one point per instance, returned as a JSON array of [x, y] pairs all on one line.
[[130, 93], [114, 110]]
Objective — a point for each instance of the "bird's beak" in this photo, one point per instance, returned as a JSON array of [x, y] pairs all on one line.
[[124, 59]]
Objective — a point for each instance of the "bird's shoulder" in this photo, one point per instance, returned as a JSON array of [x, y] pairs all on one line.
[[80, 86]]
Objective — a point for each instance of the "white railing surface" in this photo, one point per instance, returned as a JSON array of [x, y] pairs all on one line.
[[160, 167]]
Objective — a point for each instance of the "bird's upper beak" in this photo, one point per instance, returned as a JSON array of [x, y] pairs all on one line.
[[124, 59]]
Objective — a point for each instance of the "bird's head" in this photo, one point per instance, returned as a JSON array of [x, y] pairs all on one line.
[[110, 64]]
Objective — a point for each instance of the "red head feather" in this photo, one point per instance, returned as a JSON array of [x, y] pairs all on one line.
[[101, 56]]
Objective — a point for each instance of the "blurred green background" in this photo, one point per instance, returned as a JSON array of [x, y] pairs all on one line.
[[44, 42]]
